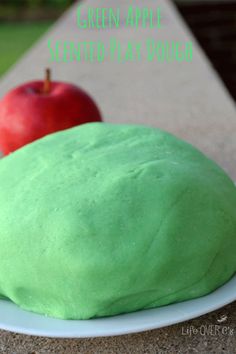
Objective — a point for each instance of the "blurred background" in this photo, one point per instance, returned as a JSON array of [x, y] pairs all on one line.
[[213, 23], [22, 22]]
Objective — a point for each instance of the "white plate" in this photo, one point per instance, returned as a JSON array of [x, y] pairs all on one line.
[[12, 318]]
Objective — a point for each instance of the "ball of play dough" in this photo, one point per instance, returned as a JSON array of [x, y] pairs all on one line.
[[105, 219]]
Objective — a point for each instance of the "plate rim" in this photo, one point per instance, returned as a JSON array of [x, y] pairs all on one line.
[[228, 288]]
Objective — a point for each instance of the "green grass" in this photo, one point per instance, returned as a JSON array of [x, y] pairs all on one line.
[[16, 38]]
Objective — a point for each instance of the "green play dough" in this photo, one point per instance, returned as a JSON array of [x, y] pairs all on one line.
[[105, 219]]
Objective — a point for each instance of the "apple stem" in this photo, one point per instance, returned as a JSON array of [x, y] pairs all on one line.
[[47, 81]]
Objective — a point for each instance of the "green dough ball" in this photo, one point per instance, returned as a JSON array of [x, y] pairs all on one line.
[[104, 219]]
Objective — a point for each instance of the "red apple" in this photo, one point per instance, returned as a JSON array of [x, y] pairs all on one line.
[[38, 108]]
